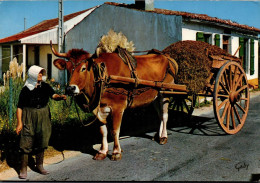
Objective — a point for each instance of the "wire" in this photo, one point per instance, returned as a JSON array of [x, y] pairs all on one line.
[[10, 56]]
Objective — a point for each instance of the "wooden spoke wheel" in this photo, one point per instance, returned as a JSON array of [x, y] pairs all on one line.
[[231, 97], [183, 103]]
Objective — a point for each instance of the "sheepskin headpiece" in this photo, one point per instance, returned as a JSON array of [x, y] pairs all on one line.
[[33, 73], [108, 43]]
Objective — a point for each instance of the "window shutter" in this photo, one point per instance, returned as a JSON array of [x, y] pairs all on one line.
[[217, 40], [252, 57], [241, 51], [200, 36]]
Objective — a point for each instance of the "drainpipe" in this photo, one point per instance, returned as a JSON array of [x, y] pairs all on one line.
[[24, 60], [12, 52]]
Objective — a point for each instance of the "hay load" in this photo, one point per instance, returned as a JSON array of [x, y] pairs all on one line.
[[194, 63], [108, 43]]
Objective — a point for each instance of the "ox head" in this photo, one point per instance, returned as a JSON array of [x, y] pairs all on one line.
[[78, 66]]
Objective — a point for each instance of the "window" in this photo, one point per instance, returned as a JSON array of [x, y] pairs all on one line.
[[226, 44], [200, 36], [6, 52]]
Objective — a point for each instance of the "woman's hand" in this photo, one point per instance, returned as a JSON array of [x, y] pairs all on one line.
[[59, 97], [19, 128]]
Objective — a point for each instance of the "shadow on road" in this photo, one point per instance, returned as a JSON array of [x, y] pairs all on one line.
[[136, 123], [196, 125]]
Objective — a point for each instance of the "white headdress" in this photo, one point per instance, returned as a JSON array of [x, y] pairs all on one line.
[[33, 73]]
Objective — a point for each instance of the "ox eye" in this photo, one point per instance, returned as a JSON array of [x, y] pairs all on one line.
[[83, 68]]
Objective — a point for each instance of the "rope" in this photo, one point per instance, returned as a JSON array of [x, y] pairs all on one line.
[[82, 120]]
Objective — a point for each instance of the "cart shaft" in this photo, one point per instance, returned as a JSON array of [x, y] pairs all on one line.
[[175, 87]]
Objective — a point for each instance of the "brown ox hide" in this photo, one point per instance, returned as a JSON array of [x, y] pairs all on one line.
[[114, 101]]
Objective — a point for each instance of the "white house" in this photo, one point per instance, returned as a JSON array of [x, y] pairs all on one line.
[[32, 46], [229, 36]]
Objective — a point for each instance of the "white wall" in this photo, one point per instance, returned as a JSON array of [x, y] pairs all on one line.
[[234, 45], [44, 51], [188, 34]]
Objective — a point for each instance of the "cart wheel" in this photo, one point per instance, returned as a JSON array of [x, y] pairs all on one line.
[[231, 97], [183, 103]]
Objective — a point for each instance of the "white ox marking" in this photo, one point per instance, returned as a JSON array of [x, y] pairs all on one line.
[[76, 91], [103, 113]]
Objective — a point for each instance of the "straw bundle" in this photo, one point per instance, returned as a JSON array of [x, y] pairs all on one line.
[[108, 43], [15, 71]]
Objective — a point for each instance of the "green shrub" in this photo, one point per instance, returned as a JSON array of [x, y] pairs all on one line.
[[17, 85], [60, 111]]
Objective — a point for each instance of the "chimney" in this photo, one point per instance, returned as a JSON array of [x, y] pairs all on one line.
[[147, 5]]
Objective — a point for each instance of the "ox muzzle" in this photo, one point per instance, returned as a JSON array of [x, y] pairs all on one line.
[[72, 90]]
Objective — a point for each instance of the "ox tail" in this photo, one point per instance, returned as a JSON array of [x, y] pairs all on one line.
[[173, 66]]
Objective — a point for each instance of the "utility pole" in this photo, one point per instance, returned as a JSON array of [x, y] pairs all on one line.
[[24, 24], [62, 74], [60, 29]]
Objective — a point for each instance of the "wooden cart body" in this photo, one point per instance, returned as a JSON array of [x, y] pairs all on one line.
[[227, 84]]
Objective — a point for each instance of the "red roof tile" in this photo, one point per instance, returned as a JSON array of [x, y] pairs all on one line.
[[42, 26], [191, 15], [50, 24]]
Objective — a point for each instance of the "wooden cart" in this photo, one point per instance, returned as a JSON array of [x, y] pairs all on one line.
[[227, 84]]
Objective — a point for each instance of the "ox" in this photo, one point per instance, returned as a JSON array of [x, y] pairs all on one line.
[[114, 100]]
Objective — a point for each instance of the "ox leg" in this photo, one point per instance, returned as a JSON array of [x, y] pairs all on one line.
[[102, 115], [162, 109], [117, 119], [102, 153]]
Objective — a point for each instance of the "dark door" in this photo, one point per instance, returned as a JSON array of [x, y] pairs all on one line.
[[37, 55], [49, 65]]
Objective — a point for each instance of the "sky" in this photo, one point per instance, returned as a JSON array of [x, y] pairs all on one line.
[[13, 12]]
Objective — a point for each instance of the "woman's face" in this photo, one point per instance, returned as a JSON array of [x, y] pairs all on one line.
[[39, 76]]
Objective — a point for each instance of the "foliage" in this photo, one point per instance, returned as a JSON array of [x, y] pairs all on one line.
[[5, 104], [61, 111]]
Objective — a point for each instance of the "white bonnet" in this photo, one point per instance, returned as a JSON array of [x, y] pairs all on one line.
[[33, 73]]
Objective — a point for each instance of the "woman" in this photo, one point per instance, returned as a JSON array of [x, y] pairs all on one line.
[[33, 118]]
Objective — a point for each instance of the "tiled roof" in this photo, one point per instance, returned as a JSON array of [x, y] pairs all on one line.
[[50, 24], [192, 16], [42, 26]]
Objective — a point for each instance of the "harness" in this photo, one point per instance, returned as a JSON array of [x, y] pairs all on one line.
[[102, 83], [99, 85]]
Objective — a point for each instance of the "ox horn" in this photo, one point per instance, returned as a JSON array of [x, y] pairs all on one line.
[[57, 53]]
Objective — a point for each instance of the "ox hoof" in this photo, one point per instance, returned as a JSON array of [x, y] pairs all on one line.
[[100, 156], [163, 140], [116, 156]]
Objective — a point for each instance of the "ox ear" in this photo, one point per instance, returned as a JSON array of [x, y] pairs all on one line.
[[60, 64]]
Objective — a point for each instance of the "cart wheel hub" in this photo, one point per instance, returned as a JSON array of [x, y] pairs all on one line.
[[234, 97]]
